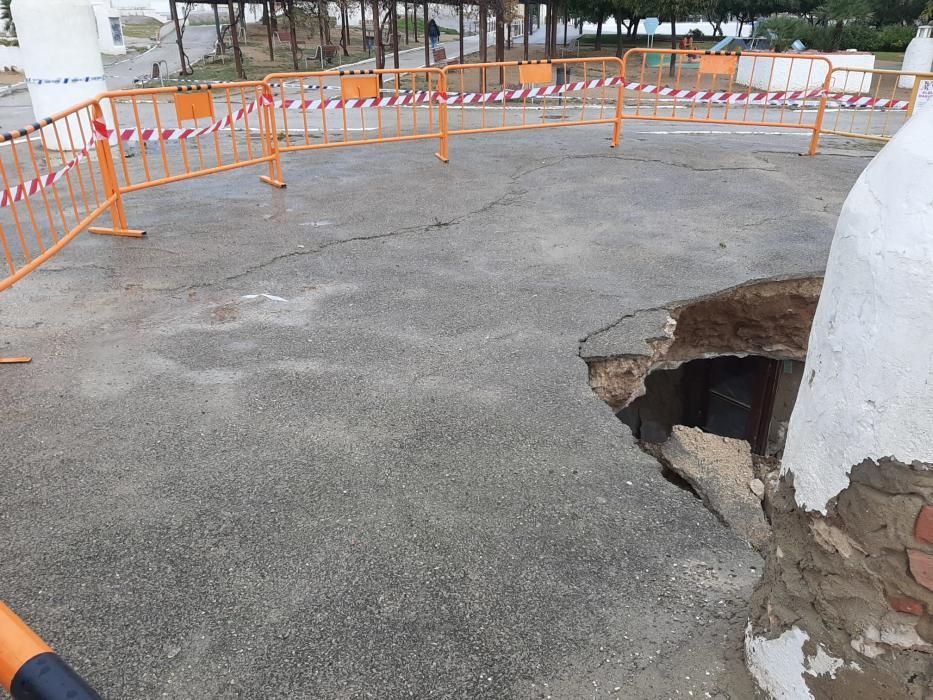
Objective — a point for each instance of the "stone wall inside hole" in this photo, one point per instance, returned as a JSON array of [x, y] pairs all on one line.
[[744, 397]]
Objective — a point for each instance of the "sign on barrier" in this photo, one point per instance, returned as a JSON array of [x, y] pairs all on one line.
[[923, 95]]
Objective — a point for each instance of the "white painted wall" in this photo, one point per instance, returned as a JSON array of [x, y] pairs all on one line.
[[797, 72], [58, 39], [869, 370], [109, 28]]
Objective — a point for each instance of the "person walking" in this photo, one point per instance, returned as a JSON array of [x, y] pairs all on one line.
[[434, 33]]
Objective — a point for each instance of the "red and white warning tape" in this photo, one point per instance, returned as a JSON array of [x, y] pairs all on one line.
[[34, 186], [469, 98], [768, 97], [412, 98], [152, 134], [714, 97]]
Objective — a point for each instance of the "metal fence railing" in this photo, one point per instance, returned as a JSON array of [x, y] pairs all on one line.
[[64, 174]]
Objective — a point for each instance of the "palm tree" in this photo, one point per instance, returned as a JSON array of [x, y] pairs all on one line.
[[841, 11]]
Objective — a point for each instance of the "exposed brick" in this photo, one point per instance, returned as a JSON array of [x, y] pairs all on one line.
[[911, 606], [923, 530], [921, 566]]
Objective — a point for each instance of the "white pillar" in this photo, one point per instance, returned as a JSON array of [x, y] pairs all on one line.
[[848, 587], [919, 56], [61, 56]]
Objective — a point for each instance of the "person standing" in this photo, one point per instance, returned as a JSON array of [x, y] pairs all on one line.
[[434, 33]]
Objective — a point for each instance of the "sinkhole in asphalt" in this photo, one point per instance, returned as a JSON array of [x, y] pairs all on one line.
[[707, 385]]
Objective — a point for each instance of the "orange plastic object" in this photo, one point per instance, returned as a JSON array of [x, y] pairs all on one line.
[[713, 64], [359, 87], [18, 644], [540, 73], [194, 106]]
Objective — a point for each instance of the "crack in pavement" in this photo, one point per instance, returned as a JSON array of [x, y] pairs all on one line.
[[504, 199], [654, 161]]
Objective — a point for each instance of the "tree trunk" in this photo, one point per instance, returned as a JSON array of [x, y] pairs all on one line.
[[673, 43], [837, 35], [599, 34], [363, 22], [344, 27], [483, 30], [618, 37], [377, 37], [394, 34]]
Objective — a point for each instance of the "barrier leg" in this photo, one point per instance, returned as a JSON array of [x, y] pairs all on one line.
[[818, 127], [112, 188], [443, 153], [29, 669], [617, 124], [271, 144], [14, 360]]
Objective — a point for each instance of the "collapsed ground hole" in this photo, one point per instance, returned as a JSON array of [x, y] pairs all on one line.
[[727, 365]]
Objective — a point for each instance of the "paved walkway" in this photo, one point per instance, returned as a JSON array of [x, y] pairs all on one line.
[[121, 71]]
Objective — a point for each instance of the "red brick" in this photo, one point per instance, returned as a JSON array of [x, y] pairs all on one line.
[[923, 530], [921, 566], [911, 606]]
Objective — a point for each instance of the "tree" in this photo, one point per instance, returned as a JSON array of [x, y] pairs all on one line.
[[896, 11], [716, 12], [842, 11]]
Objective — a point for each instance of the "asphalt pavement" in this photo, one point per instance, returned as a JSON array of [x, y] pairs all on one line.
[[336, 440]]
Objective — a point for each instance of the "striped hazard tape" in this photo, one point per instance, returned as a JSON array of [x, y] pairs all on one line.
[[36, 185], [154, 134], [699, 96], [411, 98], [769, 97]]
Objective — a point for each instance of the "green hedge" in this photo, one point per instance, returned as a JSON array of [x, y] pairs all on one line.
[[864, 37]]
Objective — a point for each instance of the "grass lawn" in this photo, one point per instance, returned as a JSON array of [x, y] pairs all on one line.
[[420, 23], [143, 28], [892, 56]]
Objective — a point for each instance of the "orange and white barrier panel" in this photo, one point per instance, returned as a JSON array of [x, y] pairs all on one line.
[[748, 89], [517, 95], [877, 103]]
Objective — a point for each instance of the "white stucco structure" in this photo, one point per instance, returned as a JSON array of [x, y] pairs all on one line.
[[796, 72], [780, 665], [109, 28], [919, 56], [866, 387], [58, 41]]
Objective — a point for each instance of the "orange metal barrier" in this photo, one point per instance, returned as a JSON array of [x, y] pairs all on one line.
[[55, 183], [513, 95], [872, 104], [748, 89], [61, 175], [326, 109], [184, 132]]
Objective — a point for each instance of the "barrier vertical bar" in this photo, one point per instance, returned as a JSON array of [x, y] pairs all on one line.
[[111, 184], [269, 137], [441, 114], [820, 114]]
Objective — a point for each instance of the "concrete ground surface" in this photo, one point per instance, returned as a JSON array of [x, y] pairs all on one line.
[[389, 478]]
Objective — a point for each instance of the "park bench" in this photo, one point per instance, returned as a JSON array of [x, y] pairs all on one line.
[[158, 72], [325, 55], [285, 37]]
